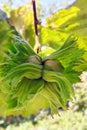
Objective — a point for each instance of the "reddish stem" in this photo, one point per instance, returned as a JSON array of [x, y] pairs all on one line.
[[35, 17], [37, 44]]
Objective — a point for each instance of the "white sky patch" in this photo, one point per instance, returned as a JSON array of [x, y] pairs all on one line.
[[46, 3]]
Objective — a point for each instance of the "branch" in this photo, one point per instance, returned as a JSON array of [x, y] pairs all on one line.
[[37, 44]]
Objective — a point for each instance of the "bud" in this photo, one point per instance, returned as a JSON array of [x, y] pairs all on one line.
[[34, 59], [53, 65]]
